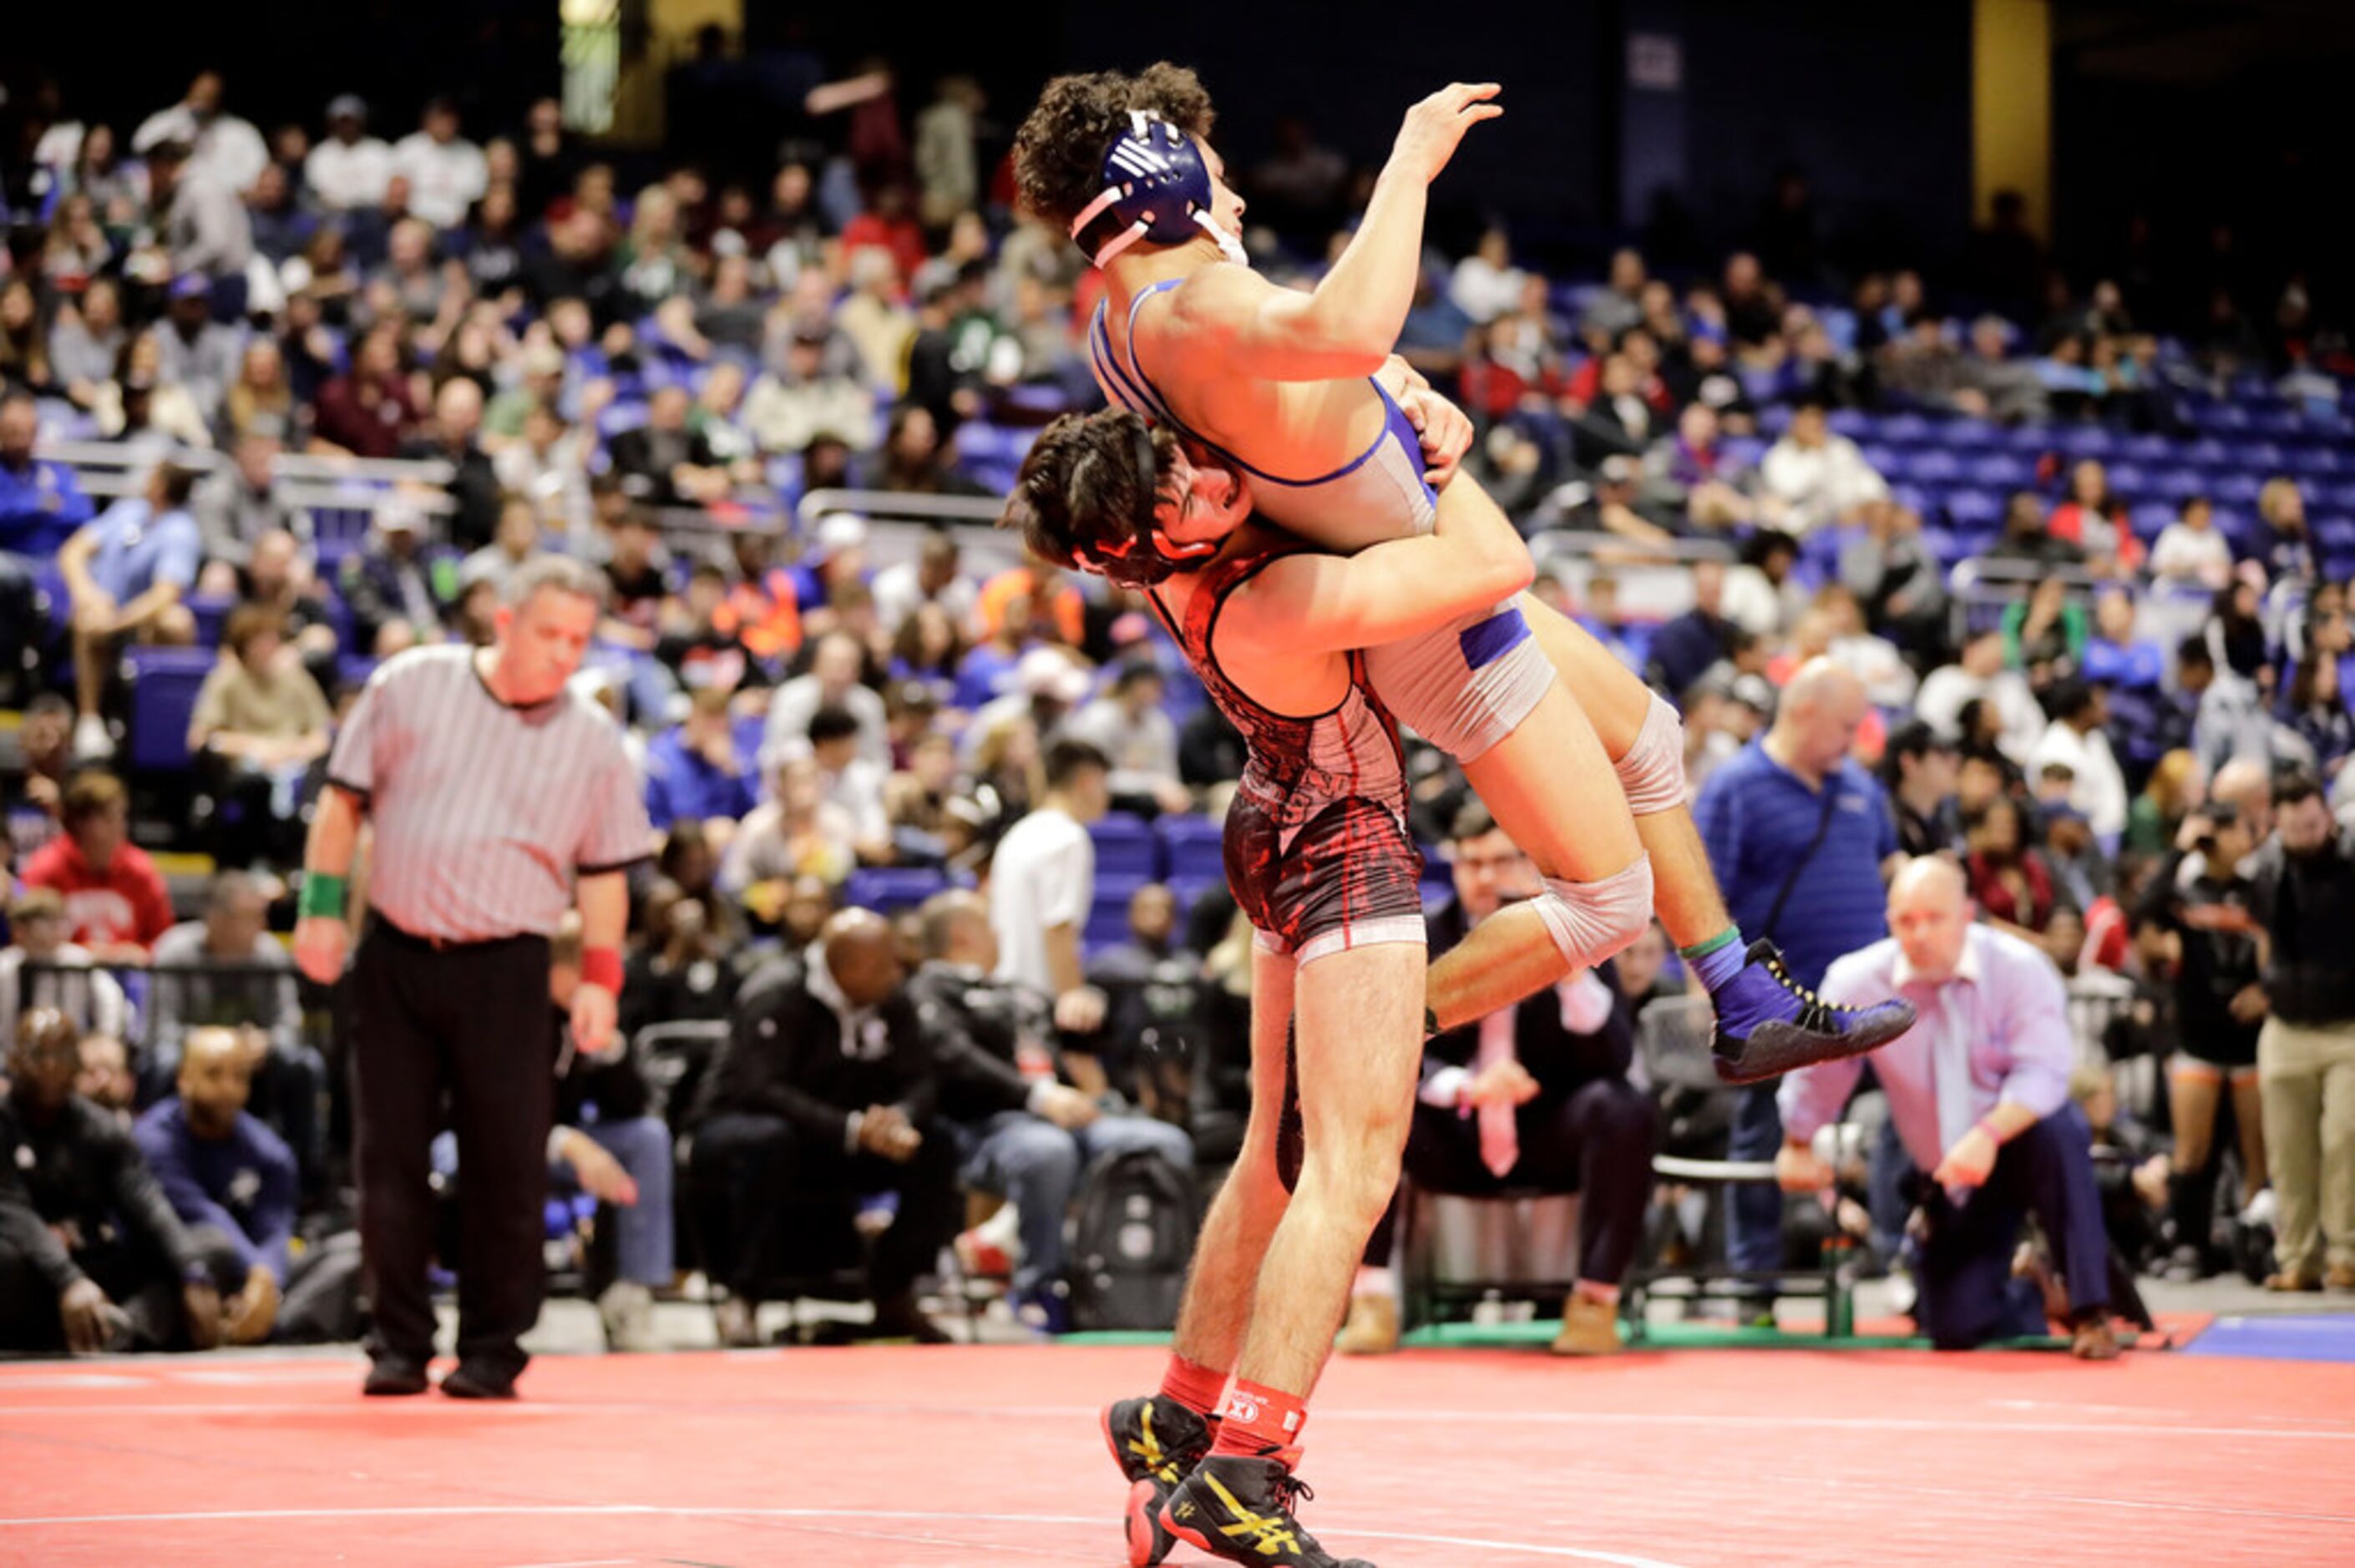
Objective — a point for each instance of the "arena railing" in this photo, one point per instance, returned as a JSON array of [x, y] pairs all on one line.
[[897, 525], [236, 993]]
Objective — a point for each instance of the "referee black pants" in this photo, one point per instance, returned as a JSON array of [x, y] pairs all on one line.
[[468, 1024]]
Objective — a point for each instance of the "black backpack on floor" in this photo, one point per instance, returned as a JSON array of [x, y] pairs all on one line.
[[1132, 1241]]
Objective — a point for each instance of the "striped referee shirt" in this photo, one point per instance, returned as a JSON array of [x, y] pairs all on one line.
[[484, 812]]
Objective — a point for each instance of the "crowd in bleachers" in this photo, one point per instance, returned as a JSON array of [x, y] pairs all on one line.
[[277, 408]]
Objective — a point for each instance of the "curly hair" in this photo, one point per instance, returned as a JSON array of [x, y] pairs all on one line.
[[1059, 154], [1080, 490]]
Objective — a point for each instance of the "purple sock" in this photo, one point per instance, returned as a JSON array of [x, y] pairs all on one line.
[[1719, 960]]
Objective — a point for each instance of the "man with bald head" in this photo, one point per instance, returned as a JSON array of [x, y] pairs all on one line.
[[229, 1179], [1024, 1133], [824, 1093], [1978, 1092], [1803, 841]]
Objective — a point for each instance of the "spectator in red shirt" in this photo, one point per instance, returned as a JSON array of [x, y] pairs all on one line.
[[369, 412], [886, 224], [116, 903], [2093, 520]]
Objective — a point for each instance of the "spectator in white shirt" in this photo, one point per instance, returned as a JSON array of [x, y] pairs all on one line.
[[1486, 284], [1126, 723], [831, 681], [2189, 549], [935, 577], [446, 174], [851, 781], [1818, 478], [222, 146], [2076, 740], [1042, 887], [348, 170], [1981, 674]]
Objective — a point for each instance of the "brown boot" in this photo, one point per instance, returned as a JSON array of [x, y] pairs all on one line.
[[2341, 1276], [1373, 1326], [1589, 1326], [2093, 1341], [2288, 1280]]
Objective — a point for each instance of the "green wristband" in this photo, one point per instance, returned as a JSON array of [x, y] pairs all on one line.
[[323, 894]]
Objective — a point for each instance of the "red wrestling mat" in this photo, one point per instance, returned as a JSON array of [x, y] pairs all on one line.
[[1430, 1459]]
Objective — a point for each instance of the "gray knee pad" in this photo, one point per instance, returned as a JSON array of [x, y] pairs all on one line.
[[1652, 774], [1589, 921]]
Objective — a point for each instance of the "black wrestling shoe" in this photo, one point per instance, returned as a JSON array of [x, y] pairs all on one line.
[[1156, 1442], [1768, 1023], [393, 1378], [470, 1383], [1240, 1510]]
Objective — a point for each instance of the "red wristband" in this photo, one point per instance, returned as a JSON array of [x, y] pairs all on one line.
[[1986, 1124], [603, 966]]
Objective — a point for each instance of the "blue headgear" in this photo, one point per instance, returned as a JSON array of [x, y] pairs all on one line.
[[1158, 187]]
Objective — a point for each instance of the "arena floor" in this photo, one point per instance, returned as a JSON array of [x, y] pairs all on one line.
[[990, 1454]]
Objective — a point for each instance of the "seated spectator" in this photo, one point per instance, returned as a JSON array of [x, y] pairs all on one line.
[[262, 400], [259, 723], [824, 1093], [42, 970], [227, 970], [1761, 594], [1050, 682], [106, 1264], [834, 680], [610, 1144], [1996, 386], [2282, 542], [38, 500], [547, 463], [369, 410], [1685, 645], [86, 343], [1127, 724], [2192, 550], [2093, 520], [1534, 1096], [115, 901], [2314, 710], [935, 577], [453, 437], [916, 459], [2237, 632], [795, 833], [2229, 718], [126, 572], [1978, 1093], [851, 782], [694, 770], [2078, 738], [2028, 541], [876, 321], [30, 800], [788, 408], [701, 645], [238, 502], [196, 354], [229, 1179], [2113, 655], [515, 541], [2007, 880], [1813, 478], [1023, 1133], [1920, 767], [1687, 471], [680, 969], [105, 1079], [1983, 674], [398, 582]]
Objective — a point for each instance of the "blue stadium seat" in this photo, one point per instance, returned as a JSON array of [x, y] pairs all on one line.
[[2149, 518], [210, 609], [354, 669], [2177, 485], [2029, 441], [2130, 483], [1969, 435], [1742, 451], [164, 684], [1108, 919], [2086, 441], [1883, 459], [2145, 449], [2205, 452], [888, 889], [2235, 490], [1853, 423], [2262, 458], [1192, 846], [1931, 465], [1908, 430], [2001, 470], [2334, 532], [2223, 417], [1974, 509], [1123, 847]]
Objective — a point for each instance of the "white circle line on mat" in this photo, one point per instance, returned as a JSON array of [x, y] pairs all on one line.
[[651, 1510]]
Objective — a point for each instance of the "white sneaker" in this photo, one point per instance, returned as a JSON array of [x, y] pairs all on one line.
[[627, 1310], [91, 743]]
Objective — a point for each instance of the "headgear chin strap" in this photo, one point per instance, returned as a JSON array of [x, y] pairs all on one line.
[[1145, 556], [1157, 187]]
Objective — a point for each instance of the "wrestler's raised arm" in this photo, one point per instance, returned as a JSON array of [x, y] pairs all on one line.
[[1346, 324]]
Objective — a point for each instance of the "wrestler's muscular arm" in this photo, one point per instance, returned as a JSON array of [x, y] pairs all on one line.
[[1320, 604], [1345, 326]]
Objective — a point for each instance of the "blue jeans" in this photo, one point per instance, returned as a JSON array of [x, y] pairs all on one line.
[[643, 1233], [1754, 1214], [1036, 1166]]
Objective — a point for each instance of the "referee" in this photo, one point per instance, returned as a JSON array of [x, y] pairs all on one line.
[[496, 797]]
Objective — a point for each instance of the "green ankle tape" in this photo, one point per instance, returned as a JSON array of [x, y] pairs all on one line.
[[323, 894], [1725, 939]]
